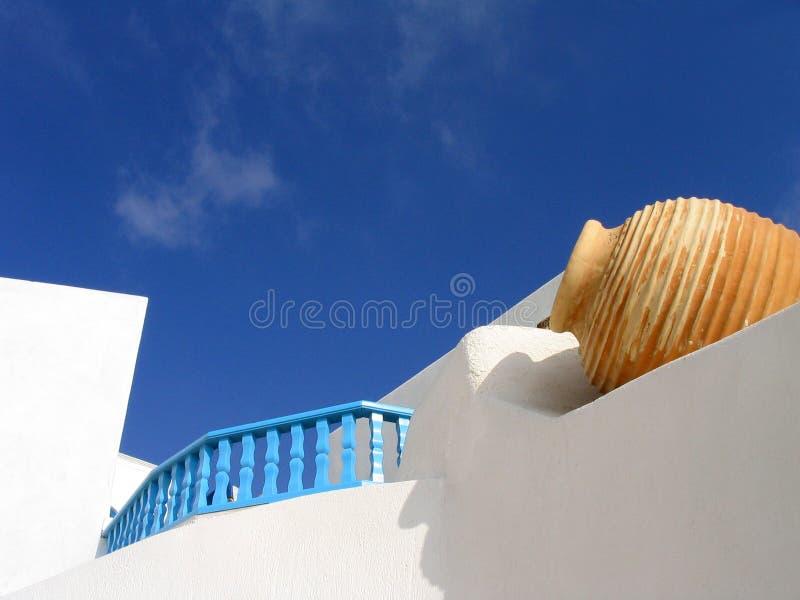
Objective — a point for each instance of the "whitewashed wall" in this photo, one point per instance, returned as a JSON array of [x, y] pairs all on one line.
[[524, 484], [528, 312], [354, 543], [680, 484], [67, 357], [129, 472]]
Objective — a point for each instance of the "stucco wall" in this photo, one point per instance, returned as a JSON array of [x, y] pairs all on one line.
[[355, 543], [67, 357], [528, 312], [681, 484], [129, 472]]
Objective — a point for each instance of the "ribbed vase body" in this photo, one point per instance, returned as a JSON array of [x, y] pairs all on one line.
[[676, 276]]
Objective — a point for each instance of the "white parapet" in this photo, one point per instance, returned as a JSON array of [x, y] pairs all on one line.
[[355, 543], [683, 483], [523, 483], [67, 357], [129, 472]]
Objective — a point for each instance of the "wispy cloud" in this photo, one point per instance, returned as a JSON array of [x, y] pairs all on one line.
[[177, 213], [430, 30], [293, 44], [46, 35], [139, 32], [456, 144], [297, 46], [279, 40], [284, 38]]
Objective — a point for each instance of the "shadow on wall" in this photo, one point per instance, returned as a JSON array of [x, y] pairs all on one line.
[[682, 483], [469, 550], [550, 387], [418, 511]]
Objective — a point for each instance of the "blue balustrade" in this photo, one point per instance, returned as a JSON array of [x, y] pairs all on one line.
[[223, 476], [192, 482], [296, 463], [248, 462], [322, 460], [348, 448], [376, 447], [271, 468]]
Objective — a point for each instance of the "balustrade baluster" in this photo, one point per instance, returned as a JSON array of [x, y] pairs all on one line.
[[112, 538], [143, 515], [176, 481], [223, 476], [161, 500], [348, 448], [402, 430], [189, 473], [376, 447], [201, 486], [132, 523], [149, 508], [247, 463], [126, 536], [138, 517], [272, 458], [296, 463], [118, 535], [321, 479], [120, 540]]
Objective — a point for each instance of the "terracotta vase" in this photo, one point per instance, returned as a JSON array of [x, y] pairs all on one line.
[[676, 276]]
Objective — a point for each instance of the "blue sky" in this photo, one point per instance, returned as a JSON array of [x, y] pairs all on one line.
[[202, 154]]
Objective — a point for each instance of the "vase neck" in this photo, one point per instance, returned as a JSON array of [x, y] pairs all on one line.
[[582, 278]]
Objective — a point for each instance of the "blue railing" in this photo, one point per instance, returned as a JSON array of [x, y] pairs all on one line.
[[199, 480]]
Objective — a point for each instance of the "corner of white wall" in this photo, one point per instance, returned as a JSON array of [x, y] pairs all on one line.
[[681, 483], [532, 370], [129, 472], [67, 357]]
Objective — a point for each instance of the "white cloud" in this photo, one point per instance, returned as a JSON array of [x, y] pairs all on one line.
[[139, 32], [295, 44], [283, 44], [281, 38], [46, 35], [226, 178], [456, 145], [175, 214], [431, 29]]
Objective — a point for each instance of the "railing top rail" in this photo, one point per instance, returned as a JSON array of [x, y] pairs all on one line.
[[309, 418], [361, 408]]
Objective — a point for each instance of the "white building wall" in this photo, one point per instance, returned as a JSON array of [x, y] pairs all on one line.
[[528, 312], [353, 543], [129, 472], [681, 484], [67, 357]]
